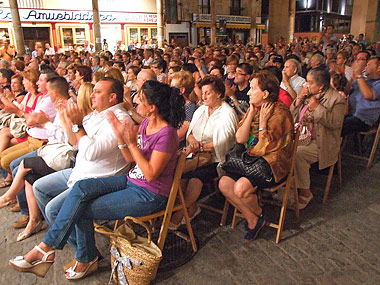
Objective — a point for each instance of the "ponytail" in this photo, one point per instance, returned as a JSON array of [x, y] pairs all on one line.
[[168, 100]]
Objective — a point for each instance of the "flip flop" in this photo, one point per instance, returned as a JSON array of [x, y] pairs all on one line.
[[5, 184]]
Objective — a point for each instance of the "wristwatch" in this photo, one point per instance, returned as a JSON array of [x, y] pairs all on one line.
[[76, 128]]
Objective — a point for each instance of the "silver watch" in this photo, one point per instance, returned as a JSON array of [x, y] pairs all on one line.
[[76, 128]]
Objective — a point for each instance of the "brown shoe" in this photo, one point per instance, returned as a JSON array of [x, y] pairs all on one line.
[[22, 222], [15, 208]]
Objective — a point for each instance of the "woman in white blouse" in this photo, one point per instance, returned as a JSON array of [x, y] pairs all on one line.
[[212, 129]]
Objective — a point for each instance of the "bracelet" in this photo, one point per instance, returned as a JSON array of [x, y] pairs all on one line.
[[262, 129], [122, 146], [359, 76]]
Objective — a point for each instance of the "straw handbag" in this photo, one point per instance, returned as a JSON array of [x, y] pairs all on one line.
[[134, 259]]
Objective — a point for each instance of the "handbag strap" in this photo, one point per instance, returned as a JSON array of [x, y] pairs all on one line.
[[106, 231], [137, 221]]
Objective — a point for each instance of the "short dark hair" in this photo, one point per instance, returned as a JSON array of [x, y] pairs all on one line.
[[269, 82], [49, 74], [368, 55], [116, 87], [191, 67], [339, 81], [60, 85], [216, 83], [7, 73], [85, 71], [248, 69]]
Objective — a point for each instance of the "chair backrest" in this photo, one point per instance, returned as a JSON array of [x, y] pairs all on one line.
[[294, 152], [177, 178]]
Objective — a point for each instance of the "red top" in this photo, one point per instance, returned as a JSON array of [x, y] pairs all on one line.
[[27, 110], [284, 96]]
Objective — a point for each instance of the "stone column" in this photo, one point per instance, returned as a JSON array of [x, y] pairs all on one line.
[[96, 19], [278, 20], [160, 24], [252, 31], [292, 19], [213, 22], [19, 34], [365, 19]]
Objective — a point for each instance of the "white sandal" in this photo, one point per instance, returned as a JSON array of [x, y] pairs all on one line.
[[72, 275], [38, 267]]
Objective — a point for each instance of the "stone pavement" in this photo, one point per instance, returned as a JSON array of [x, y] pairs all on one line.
[[335, 243]]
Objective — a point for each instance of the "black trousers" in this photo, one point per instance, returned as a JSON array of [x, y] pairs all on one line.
[[352, 124]]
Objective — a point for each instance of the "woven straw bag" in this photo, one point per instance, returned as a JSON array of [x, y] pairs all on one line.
[[134, 259]]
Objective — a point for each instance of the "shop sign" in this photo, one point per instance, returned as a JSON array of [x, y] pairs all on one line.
[[42, 15], [227, 18]]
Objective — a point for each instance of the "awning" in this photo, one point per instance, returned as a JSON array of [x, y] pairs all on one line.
[[203, 25], [228, 26], [238, 26]]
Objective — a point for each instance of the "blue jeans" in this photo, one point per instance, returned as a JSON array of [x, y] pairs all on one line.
[[50, 192], [21, 197], [108, 198]]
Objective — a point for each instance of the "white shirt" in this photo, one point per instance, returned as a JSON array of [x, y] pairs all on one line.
[[49, 51], [296, 82], [47, 106], [219, 128], [98, 154]]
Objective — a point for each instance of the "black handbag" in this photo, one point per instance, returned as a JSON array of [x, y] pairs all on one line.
[[239, 162]]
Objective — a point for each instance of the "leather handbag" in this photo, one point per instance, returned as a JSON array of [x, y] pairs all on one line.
[[57, 155], [240, 162], [198, 160]]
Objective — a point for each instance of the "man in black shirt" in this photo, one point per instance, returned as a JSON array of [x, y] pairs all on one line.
[[238, 93]]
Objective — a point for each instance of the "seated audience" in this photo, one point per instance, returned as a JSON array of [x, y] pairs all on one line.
[[143, 191]]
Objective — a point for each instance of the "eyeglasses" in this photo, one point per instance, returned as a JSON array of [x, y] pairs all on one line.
[[242, 74]]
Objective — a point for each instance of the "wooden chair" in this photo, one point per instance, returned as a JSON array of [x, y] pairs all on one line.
[[372, 131], [291, 179], [171, 207], [330, 177]]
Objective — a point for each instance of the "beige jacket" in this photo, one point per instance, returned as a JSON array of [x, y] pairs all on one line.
[[328, 119]]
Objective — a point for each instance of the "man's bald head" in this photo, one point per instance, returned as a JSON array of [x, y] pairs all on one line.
[[145, 75]]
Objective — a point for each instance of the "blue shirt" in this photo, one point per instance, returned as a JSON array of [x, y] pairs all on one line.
[[366, 110]]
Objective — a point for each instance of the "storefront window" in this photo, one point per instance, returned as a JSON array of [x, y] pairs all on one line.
[[68, 39], [4, 34], [154, 33], [80, 36], [144, 35], [133, 34]]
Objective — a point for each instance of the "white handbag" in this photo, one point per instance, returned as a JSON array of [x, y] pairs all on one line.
[[57, 155]]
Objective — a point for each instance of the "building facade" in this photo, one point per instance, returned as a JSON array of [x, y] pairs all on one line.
[[192, 18], [67, 23]]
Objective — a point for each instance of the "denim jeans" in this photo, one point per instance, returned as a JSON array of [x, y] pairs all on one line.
[[108, 198], [50, 192], [21, 197]]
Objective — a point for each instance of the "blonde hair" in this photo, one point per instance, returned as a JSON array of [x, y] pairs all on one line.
[[115, 74], [186, 80], [84, 100], [97, 75]]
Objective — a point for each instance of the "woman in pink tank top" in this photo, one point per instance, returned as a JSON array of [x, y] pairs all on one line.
[[30, 78]]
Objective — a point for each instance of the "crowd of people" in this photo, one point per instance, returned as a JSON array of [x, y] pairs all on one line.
[[88, 136]]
